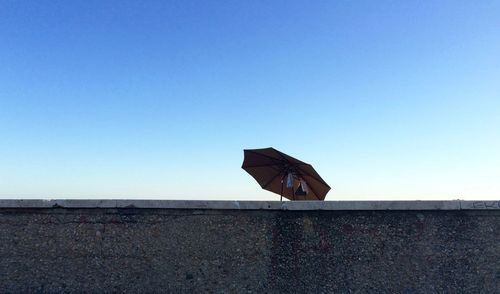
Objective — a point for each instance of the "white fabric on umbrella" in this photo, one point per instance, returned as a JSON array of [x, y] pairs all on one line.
[[289, 181], [304, 186]]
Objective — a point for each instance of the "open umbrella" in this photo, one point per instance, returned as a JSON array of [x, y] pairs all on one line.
[[282, 174]]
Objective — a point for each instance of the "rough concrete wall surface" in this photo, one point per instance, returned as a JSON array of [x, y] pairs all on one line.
[[248, 251]]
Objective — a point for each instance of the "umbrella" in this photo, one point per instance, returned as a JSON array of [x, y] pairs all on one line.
[[282, 174]]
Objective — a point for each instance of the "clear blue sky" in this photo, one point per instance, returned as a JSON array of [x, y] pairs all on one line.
[[157, 99]]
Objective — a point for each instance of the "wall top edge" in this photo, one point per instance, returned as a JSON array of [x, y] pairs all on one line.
[[254, 205]]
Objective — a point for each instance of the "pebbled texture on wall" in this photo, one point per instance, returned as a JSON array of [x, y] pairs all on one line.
[[232, 251]]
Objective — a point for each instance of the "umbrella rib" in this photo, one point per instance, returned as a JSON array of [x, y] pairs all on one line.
[[310, 187], [282, 155], [321, 181], [272, 179], [261, 165]]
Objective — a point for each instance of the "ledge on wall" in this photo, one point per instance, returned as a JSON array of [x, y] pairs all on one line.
[[254, 205]]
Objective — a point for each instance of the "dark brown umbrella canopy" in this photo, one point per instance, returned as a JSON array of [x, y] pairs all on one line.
[[270, 168]]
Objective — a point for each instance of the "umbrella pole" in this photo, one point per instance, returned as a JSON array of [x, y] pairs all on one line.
[[281, 194]]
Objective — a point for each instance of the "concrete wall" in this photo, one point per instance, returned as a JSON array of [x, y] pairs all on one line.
[[249, 247]]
